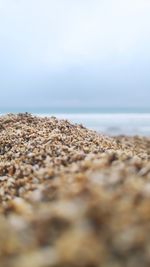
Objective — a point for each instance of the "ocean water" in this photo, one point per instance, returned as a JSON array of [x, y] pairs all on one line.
[[105, 121]]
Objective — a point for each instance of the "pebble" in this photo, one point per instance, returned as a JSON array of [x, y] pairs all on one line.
[[72, 197]]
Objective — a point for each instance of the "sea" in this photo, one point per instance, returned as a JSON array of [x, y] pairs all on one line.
[[110, 121]]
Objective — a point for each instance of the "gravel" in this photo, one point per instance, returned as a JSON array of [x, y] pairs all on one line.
[[70, 197]]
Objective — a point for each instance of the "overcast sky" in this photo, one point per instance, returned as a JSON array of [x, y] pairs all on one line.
[[74, 52]]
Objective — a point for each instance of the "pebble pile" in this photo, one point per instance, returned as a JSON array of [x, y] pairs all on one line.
[[70, 197]]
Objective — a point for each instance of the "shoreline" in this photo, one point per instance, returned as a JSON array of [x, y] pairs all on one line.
[[65, 189], [129, 124]]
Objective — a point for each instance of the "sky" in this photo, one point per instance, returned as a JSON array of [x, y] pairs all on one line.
[[74, 53]]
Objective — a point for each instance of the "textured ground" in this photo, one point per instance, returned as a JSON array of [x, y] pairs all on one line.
[[70, 197]]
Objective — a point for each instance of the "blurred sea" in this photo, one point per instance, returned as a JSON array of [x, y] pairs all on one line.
[[107, 121]]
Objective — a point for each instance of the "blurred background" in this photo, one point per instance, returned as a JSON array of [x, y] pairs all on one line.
[[90, 57]]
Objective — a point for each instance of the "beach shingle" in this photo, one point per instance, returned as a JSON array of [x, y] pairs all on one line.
[[71, 197]]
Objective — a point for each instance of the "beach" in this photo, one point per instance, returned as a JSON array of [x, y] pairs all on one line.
[[72, 197], [110, 123]]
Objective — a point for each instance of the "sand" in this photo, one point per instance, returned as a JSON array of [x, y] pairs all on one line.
[[70, 197]]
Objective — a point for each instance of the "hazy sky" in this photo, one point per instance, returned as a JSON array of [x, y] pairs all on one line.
[[74, 52]]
